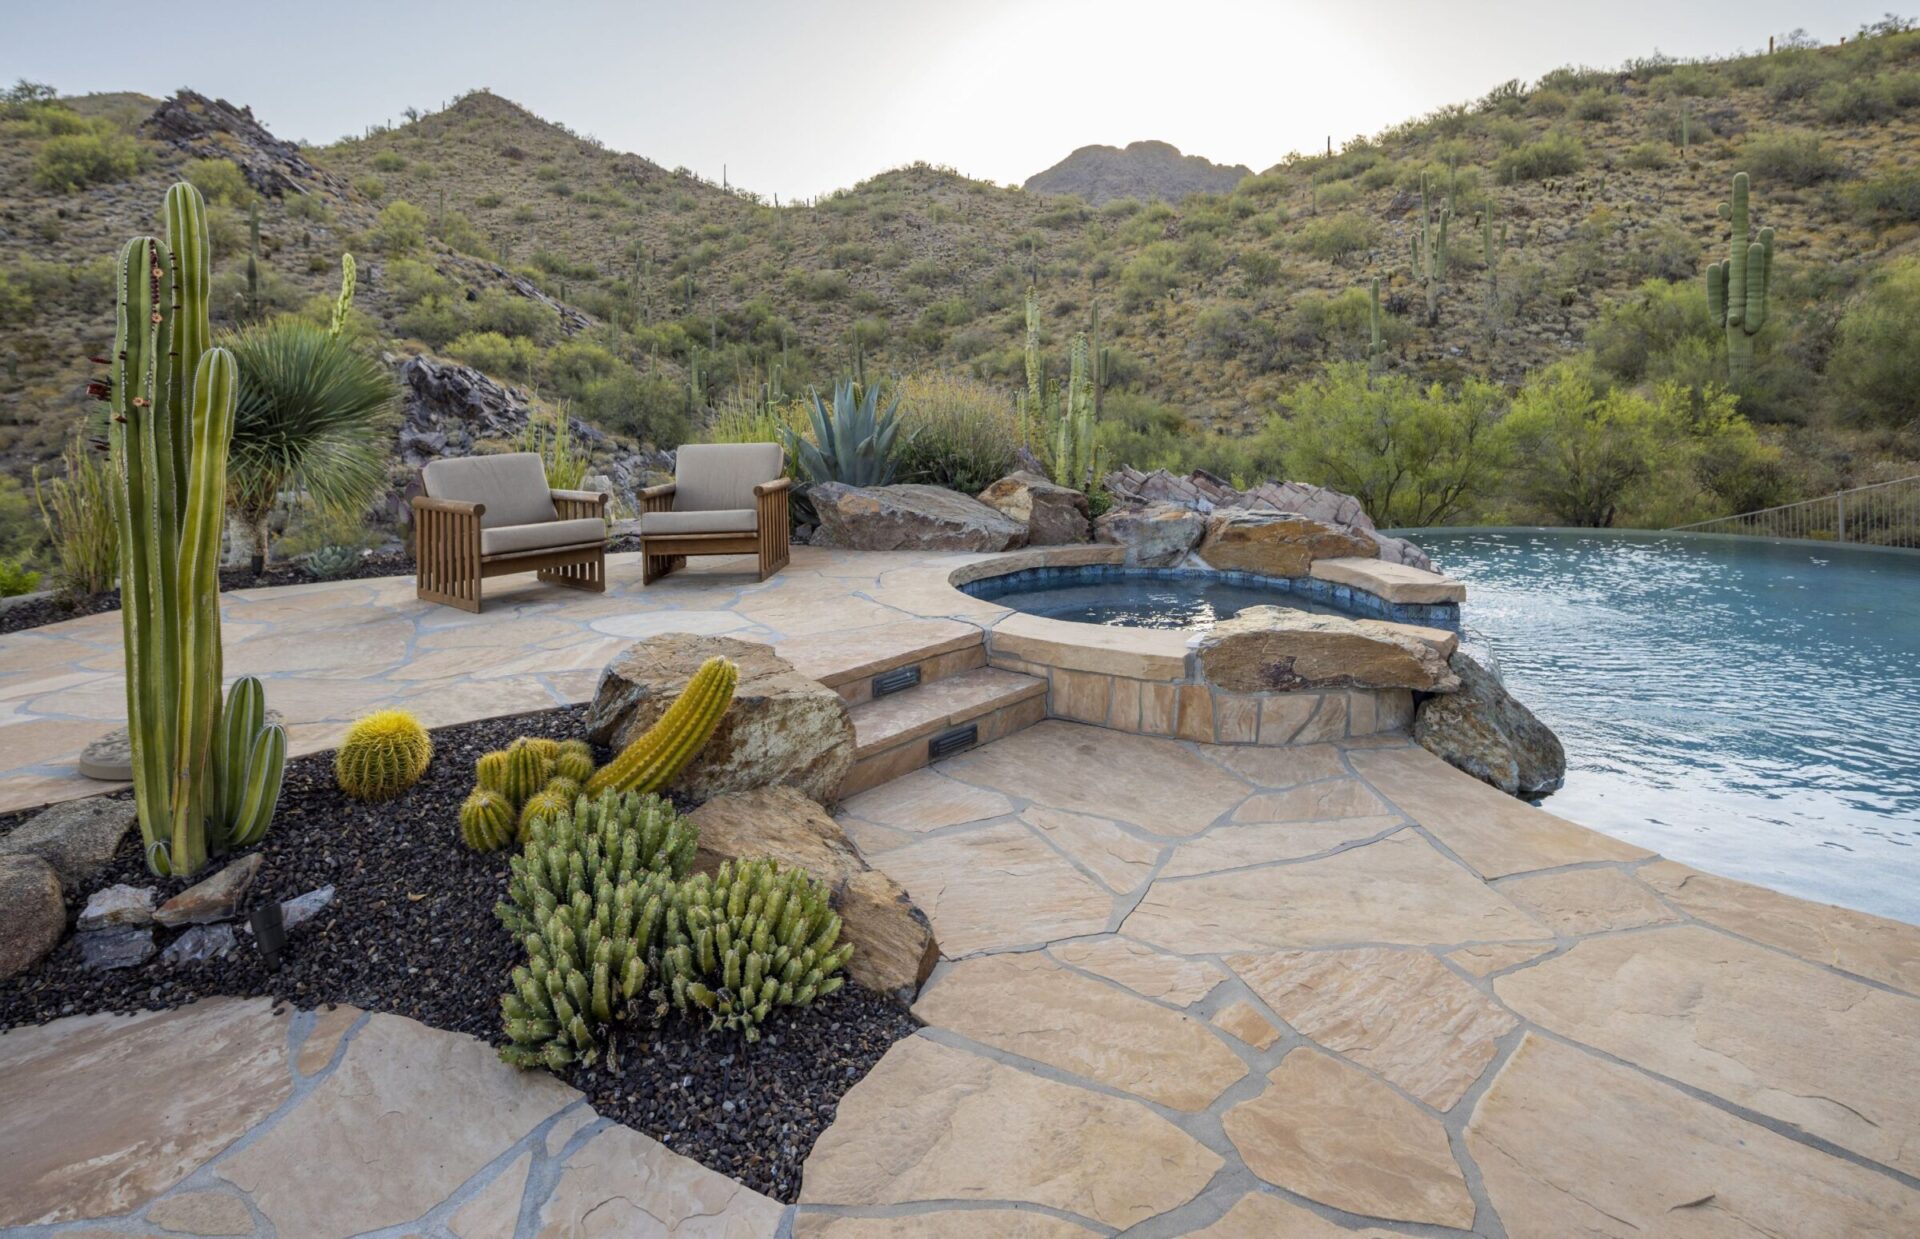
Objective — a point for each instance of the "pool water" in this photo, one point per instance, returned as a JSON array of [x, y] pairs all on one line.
[[1138, 598], [1750, 708]]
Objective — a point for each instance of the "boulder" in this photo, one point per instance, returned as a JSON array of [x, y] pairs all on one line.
[[782, 729], [1156, 536], [77, 838], [1054, 515], [217, 898], [32, 913], [909, 518], [1484, 731], [893, 946], [1278, 543], [1278, 649]]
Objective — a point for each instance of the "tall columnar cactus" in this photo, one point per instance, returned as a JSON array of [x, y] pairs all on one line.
[[1375, 349], [588, 899], [172, 398], [664, 749], [343, 304], [1075, 449], [1492, 246], [748, 938], [1033, 409], [249, 760], [1429, 248], [1737, 288]]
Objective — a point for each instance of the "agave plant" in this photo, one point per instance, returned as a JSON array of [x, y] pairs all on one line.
[[312, 417], [852, 441]]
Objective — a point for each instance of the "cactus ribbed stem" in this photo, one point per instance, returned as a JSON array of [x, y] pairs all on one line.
[[1737, 288], [663, 750]]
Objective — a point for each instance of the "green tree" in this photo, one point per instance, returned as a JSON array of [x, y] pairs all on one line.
[[1876, 363], [1579, 448], [1412, 457]]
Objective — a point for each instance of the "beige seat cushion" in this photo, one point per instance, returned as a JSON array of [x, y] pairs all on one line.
[[720, 477], [726, 520], [542, 536], [513, 485]]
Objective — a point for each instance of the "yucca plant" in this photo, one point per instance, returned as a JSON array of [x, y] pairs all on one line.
[[313, 417], [852, 440]]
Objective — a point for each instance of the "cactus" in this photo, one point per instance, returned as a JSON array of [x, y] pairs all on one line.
[[573, 765], [588, 898], [1074, 448], [383, 755], [486, 821], [172, 410], [337, 323], [748, 938], [1737, 288], [664, 749], [1375, 349], [249, 761], [852, 441], [1492, 246], [544, 805], [490, 772], [548, 749], [1033, 409], [1429, 246], [527, 771]]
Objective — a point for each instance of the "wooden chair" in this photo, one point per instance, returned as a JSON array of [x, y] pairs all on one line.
[[725, 499], [487, 516]]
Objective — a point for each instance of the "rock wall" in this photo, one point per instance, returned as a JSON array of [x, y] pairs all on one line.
[[1201, 491]]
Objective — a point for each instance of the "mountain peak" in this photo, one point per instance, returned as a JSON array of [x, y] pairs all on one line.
[[1146, 169]]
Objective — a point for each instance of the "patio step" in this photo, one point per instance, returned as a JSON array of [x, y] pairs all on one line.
[[895, 734], [850, 661]]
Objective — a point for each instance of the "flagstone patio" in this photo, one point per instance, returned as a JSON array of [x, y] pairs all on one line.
[[1327, 989]]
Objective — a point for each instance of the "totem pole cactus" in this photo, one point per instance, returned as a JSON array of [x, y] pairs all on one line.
[[1073, 433], [1374, 346], [1737, 288], [172, 398], [1429, 246]]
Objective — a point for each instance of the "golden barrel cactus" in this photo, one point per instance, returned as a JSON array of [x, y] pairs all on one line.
[[383, 755]]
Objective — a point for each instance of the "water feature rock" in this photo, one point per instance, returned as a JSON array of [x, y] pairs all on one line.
[[1158, 536], [893, 946], [1054, 515], [909, 518], [198, 943], [117, 905], [783, 729], [108, 949], [1279, 649], [1484, 731], [77, 838], [32, 912], [1278, 543], [217, 898]]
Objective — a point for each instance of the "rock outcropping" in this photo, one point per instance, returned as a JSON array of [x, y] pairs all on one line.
[[1278, 543], [1054, 515], [1203, 492], [909, 518], [1146, 170], [1484, 731]]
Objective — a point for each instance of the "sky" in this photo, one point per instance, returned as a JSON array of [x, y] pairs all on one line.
[[800, 97]]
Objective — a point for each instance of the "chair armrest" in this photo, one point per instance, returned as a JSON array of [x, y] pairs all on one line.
[[596, 497], [656, 498], [459, 507], [571, 505], [768, 488]]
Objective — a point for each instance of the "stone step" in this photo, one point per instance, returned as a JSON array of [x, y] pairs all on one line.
[[847, 662], [892, 733]]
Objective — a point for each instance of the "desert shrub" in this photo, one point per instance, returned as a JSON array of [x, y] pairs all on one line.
[[1794, 77], [1594, 105], [1412, 457], [819, 285], [1790, 157], [651, 408], [1339, 194], [390, 161], [1689, 81], [433, 320], [1150, 276], [76, 508], [572, 365], [496, 309], [1650, 156], [1876, 360], [1555, 154], [16, 300], [72, 161], [956, 432], [1893, 196], [371, 187], [510, 357], [21, 532], [400, 229], [1666, 252], [16, 578], [1638, 336], [1548, 103], [1336, 237]]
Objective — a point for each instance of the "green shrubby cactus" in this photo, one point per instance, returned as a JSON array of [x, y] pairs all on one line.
[[1737, 288], [748, 938], [588, 898]]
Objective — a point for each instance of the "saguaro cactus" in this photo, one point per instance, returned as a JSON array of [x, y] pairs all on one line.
[[1429, 246], [1073, 433], [1737, 288], [1374, 347]]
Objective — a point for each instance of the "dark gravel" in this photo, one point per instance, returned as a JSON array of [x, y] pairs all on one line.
[[411, 931], [57, 607]]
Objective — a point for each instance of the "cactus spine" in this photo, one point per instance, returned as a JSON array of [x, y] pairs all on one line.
[[383, 755], [172, 400], [1429, 246], [1737, 288], [664, 749]]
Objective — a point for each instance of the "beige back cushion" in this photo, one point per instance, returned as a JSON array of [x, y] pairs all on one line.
[[512, 485], [711, 477]]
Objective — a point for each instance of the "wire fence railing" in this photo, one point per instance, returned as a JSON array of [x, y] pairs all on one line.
[[1884, 514]]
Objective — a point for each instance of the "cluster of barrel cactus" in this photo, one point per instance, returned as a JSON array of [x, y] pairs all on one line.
[[383, 755], [748, 938], [589, 899], [664, 749], [533, 779]]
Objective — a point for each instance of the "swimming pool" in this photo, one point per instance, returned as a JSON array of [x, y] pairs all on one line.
[[1751, 708]]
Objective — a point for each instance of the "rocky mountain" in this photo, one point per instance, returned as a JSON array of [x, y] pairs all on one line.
[[1149, 171]]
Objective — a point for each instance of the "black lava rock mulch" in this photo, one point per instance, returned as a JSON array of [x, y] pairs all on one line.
[[411, 931]]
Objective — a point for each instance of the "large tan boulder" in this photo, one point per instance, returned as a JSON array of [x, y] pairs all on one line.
[[1278, 543], [909, 518], [893, 946], [1157, 536], [782, 727], [32, 913], [1054, 515], [1278, 649]]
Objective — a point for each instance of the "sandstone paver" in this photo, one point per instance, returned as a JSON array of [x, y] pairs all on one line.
[[996, 887], [1260, 1216], [946, 1224], [1235, 847], [1247, 1024], [1313, 802], [1120, 860], [1485, 959], [926, 800], [1145, 971], [621, 1183], [1587, 901]]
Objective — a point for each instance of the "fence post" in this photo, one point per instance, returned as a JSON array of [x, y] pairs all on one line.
[[1840, 502]]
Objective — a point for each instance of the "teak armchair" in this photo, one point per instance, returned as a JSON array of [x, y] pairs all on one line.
[[486, 516], [725, 499]]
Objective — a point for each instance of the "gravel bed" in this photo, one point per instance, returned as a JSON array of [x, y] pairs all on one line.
[[411, 931]]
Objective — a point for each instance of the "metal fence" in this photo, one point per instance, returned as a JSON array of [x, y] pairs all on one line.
[[1884, 514]]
